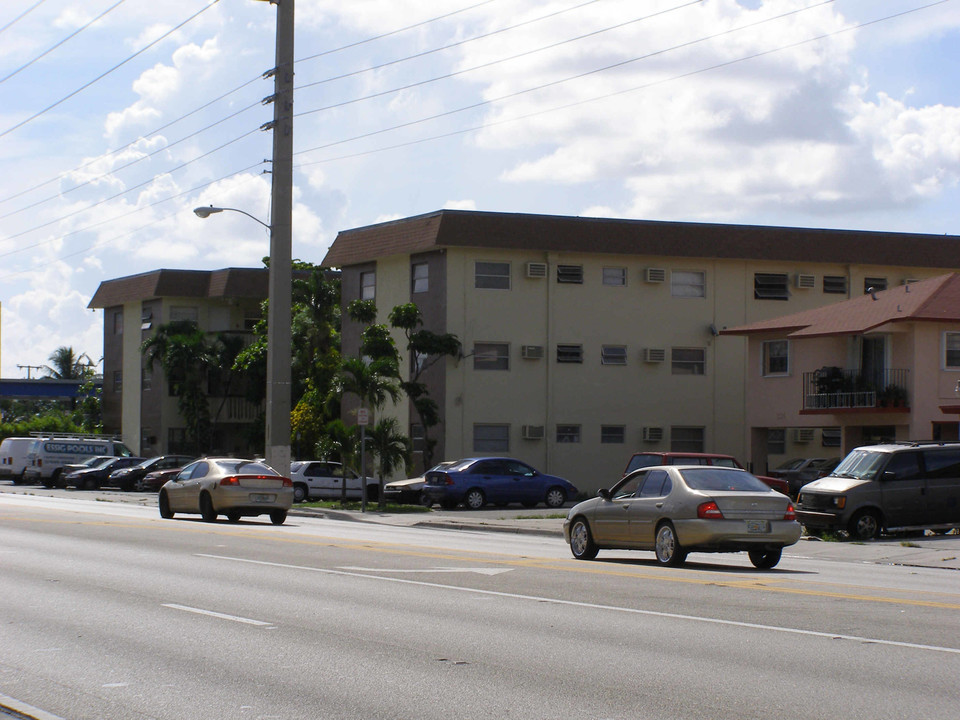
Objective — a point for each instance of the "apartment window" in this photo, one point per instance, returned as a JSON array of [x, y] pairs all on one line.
[[177, 440], [118, 322], [876, 283], [688, 361], [180, 313], [688, 283], [420, 277], [686, 439], [568, 433], [491, 356], [613, 355], [951, 351], [146, 378], [613, 434], [776, 357], [569, 353], [776, 441], [117, 380], [250, 322], [835, 284], [368, 285], [830, 437], [491, 438], [417, 439], [492, 275], [570, 274], [770, 286], [615, 276], [146, 319]]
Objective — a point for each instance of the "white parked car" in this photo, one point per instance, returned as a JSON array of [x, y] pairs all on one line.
[[325, 479]]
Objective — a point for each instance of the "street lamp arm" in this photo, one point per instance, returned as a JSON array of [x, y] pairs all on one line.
[[205, 212]]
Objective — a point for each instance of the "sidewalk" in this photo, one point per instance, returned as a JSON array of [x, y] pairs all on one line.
[[928, 551]]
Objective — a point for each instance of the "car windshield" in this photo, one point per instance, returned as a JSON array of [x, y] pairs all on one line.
[[861, 464], [246, 467], [96, 462], [710, 479]]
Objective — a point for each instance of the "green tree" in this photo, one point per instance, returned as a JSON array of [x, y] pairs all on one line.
[[426, 348], [391, 448], [185, 354], [65, 364]]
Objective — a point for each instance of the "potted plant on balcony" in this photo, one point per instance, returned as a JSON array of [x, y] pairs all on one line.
[[893, 396]]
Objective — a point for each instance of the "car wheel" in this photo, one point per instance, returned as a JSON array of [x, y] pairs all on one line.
[[474, 499], [668, 549], [765, 559], [278, 517], [581, 541], [163, 502], [141, 485], [206, 508], [233, 516], [424, 500], [91, 484], [300, 493], [556, 497], [865, 525]]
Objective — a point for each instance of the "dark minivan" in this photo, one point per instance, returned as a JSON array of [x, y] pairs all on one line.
[[886, 487]]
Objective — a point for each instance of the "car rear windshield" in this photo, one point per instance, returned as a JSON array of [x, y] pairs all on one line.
[[246, 467], [710, 479]]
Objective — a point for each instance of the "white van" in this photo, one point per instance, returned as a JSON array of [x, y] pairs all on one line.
[[13, 458], [48, 455]]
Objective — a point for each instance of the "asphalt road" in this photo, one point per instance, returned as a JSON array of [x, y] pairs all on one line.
[[110, 612]]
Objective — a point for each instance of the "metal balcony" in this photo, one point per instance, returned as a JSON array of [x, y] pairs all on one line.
[[833, 388]]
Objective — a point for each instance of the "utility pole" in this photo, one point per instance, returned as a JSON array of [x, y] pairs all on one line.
[[277, 440]]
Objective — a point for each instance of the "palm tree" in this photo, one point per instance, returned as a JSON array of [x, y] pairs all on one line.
[[65, 364], [183, 352], [391, 448], [344, 440], [372, 382]]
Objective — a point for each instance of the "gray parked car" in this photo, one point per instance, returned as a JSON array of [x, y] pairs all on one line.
[[677, 509], [886, 487]]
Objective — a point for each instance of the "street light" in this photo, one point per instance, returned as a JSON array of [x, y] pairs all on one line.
[[205, 212], [277, 438]]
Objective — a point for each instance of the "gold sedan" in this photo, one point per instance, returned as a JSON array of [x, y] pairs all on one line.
[[228, 486]]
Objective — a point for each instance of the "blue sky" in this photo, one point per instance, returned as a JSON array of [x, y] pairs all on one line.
[[716, 110]]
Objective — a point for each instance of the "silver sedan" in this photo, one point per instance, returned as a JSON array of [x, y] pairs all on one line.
[[674, 510], [229, 486]]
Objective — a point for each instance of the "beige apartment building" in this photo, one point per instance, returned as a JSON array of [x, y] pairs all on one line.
[[588, 339], [136, 398]]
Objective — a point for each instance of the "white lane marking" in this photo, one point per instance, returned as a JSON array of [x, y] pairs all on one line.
[[27, 711], [479, 571], [222, 616], [596, 606]]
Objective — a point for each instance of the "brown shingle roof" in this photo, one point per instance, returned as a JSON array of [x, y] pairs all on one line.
[[449, 228], [936, 300], [228, 282]]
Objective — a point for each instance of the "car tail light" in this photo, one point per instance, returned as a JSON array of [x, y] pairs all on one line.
[[790, 514], [287, 482], [230, 481], [443, 479], [709, 511]]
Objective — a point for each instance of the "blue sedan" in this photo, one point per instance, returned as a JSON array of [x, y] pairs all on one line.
[[478, 481]]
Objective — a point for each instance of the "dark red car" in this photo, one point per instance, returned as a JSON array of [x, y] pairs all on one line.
[[646, 459]]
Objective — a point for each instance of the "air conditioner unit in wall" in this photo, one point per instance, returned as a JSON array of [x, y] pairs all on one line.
[[654, 275], [654, 355], [531, 352], [536, 270], [652, 434], [532, 432], [803, 435], [805, 282]]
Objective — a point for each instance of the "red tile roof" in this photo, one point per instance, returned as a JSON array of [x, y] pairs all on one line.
[[933, 300]]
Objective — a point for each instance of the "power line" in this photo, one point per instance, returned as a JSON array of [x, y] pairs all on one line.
[[68, 37], [103, 75], [22, 15]]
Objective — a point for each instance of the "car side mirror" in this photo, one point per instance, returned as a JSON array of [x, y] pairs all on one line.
[[888, 475], [604, 493]]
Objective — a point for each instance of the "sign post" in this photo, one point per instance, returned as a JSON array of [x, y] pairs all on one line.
[[363, 419]]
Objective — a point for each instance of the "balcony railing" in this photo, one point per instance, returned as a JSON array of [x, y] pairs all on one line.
[[833, 388]]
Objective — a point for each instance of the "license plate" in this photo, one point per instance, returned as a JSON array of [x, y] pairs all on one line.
[[758, 526], [262, 498]]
